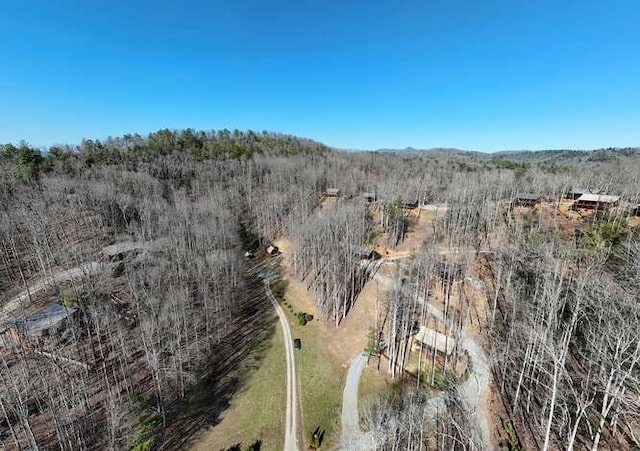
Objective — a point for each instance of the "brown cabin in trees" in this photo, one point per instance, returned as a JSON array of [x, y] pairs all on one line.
[[527, 200], [410, 203], [596, 201]]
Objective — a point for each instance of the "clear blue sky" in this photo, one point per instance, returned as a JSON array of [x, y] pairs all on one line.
[[473, 74]]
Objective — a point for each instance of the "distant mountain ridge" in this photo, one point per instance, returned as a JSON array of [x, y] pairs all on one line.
[[455, 150], [414, 150]]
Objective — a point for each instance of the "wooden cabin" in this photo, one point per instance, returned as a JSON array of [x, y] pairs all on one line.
[[527, 200], [432, 339], [410, 203], [596, 201]]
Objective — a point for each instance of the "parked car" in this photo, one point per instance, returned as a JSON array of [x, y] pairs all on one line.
[[297, 344]]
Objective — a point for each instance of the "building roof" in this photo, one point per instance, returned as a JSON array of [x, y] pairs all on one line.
[[50, 316], [436, 340], [332, 191], [368, 195], [272, 249], [598, 198]]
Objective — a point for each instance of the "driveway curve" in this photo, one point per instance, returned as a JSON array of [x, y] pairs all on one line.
[[472, 389], [350, 415]]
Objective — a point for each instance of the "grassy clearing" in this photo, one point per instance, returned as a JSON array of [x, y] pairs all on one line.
[[371, 385], [321, 379], [257, 411]]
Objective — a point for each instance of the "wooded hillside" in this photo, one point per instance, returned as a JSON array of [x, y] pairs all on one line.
[[163, 326]]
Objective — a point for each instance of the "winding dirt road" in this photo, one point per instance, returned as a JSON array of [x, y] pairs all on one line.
[[471, 391], [291, 416], [17, 302]]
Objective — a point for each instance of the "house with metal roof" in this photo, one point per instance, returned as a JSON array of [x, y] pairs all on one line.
[[596, 201], [430, 338], [48, 320]]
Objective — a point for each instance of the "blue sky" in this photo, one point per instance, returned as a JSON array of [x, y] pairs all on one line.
[[484, 75]]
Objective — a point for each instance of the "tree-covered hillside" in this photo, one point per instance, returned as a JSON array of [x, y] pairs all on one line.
[[153, 246]]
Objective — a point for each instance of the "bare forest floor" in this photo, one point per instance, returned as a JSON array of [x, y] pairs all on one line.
[[420, 233]]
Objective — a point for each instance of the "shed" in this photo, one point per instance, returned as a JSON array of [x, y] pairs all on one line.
[[48, 320], [410, 202], [273, 250], [575, 193], [370, 197], [430, 338], [596, 201], [527, 199], [332, 192]]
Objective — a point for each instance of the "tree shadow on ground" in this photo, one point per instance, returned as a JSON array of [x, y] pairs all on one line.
[[232, 362]]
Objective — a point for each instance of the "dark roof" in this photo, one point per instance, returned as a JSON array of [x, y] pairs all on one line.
[[50, 316]]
